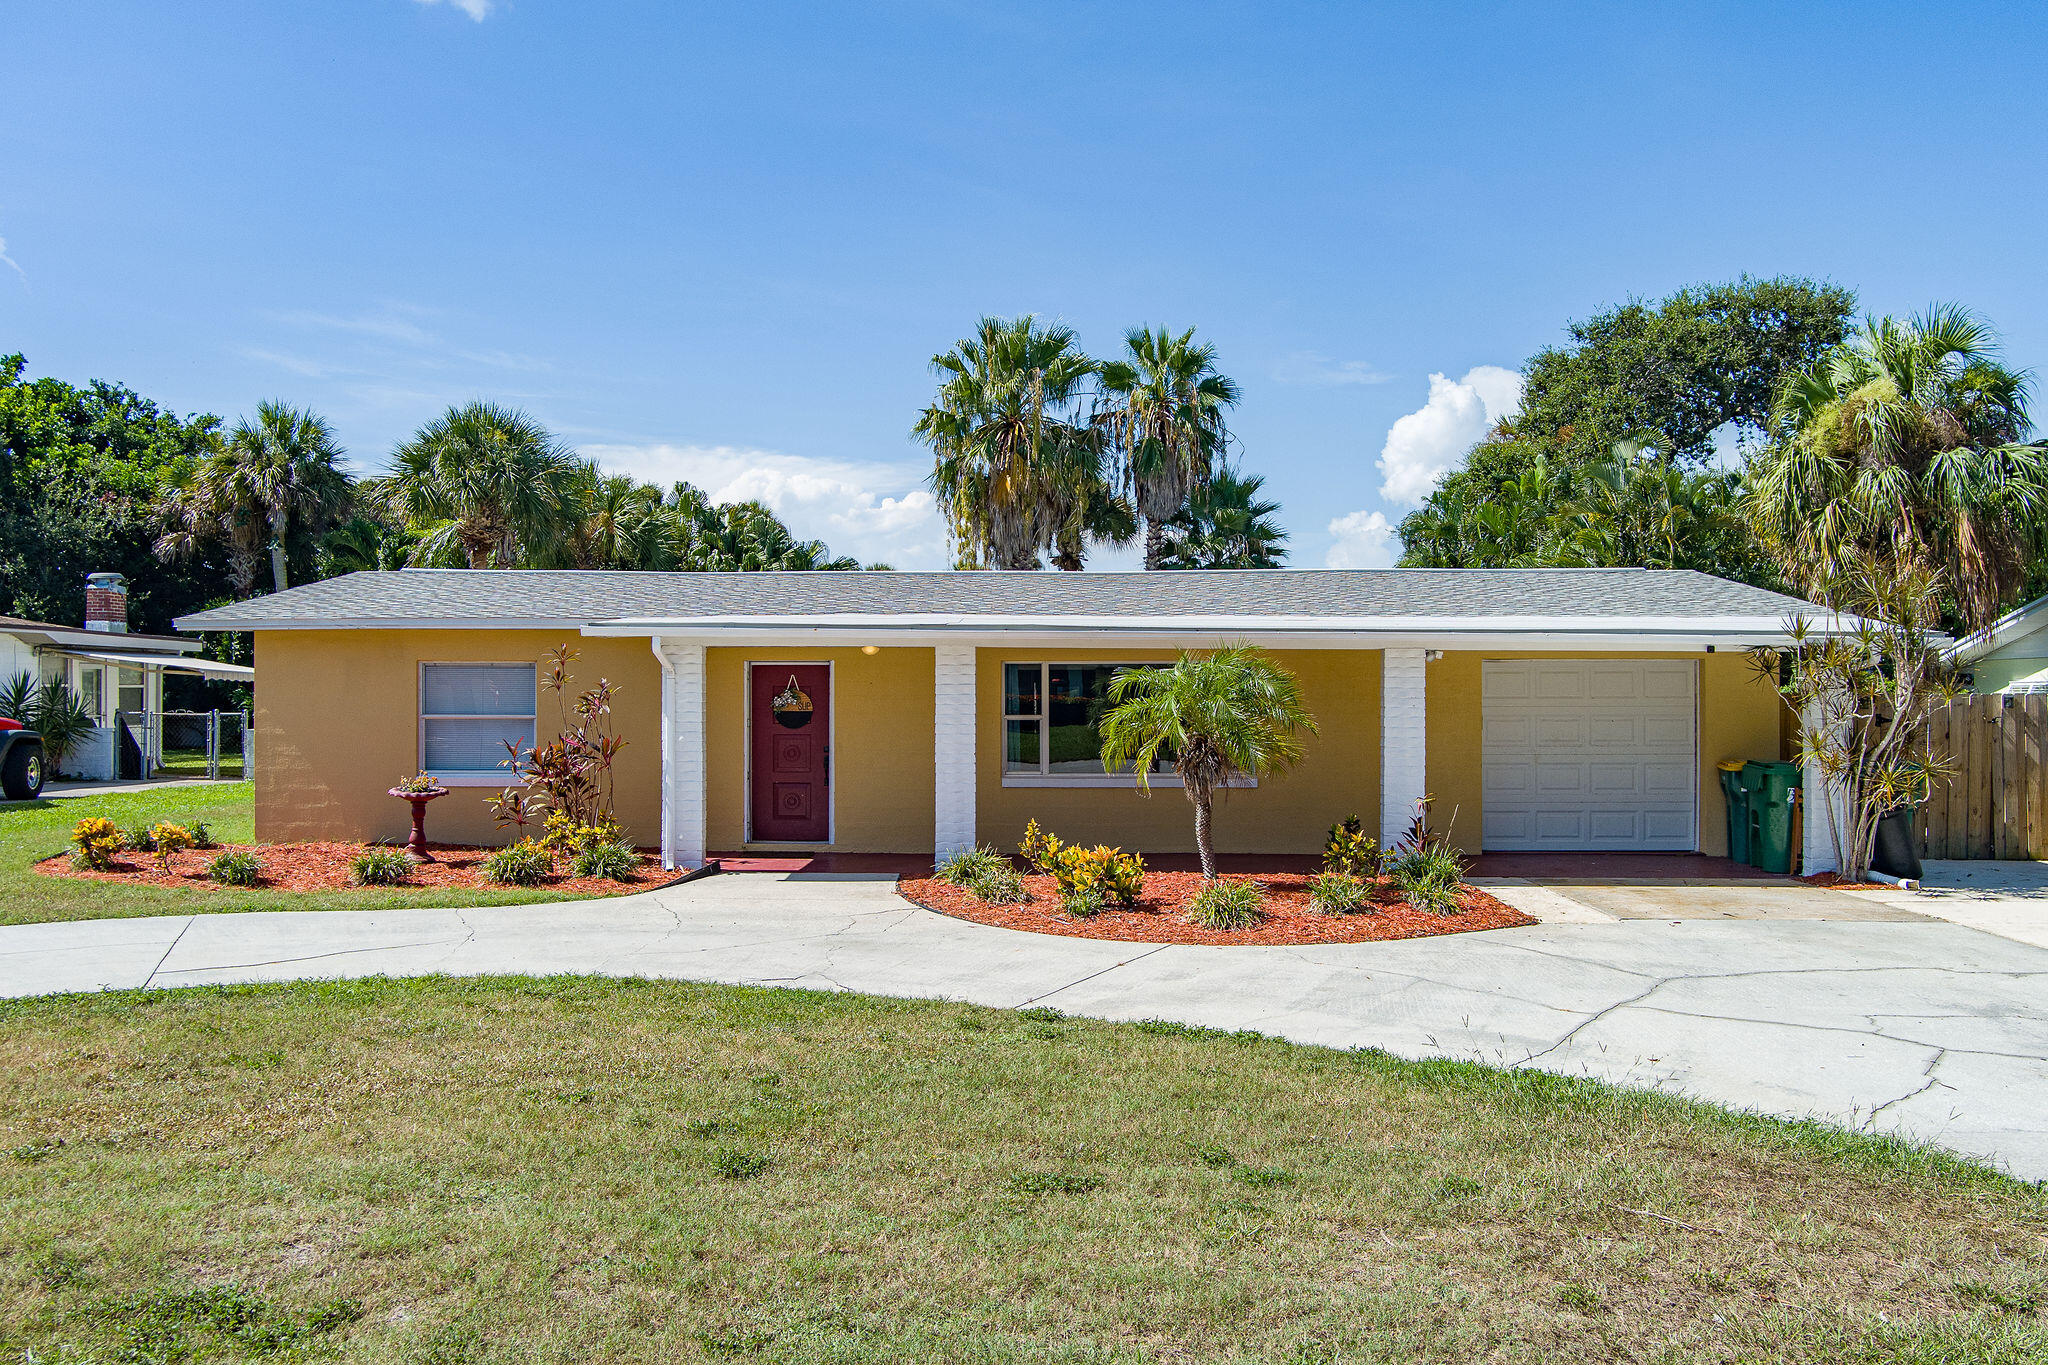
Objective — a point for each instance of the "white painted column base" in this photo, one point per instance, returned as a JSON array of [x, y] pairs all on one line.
[[1818, 799], [1404, 751], [953, 766], [683, 805]]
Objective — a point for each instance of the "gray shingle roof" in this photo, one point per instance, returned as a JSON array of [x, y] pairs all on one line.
[[493, 596]]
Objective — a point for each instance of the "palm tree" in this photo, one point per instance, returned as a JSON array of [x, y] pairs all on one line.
[[1226, 525], [738, 537], [274, 475], [1904, 442], [491, 482], [619, 526], [1228, 714], [1012, 462], [1164, 415]]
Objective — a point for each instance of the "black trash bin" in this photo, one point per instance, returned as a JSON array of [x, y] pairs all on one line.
[[1896, 852]]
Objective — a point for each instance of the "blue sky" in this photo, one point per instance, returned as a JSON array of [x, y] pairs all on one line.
[[722, 242]]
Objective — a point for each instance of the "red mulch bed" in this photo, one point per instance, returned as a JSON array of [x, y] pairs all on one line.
[[1160, 916], [324, 867], [1833, 882]]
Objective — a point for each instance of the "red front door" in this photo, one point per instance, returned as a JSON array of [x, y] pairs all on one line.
[[792, 752]]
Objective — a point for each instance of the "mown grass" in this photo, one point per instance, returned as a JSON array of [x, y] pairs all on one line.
[[580, 1170], [33, 830]]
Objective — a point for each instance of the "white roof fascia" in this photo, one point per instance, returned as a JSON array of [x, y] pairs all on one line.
[[2015, 625], [175, 663], [92, 639]]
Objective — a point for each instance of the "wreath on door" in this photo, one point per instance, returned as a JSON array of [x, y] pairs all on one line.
[[791, 706]]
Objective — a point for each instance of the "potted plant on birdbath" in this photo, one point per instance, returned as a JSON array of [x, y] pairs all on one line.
[[418, 789]]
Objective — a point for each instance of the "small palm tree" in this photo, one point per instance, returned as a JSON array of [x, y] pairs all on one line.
[[1165, 404], [1904, 442], [1231, 713], [491, 482], [275, 475], [1226, 525]]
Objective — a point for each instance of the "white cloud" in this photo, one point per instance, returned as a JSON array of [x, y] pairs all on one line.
[[1426, 444], [10, 263], [475, 9], [1311, 367], [872, 510], [1362, 540]]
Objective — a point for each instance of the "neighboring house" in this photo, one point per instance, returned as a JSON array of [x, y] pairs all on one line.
[[1545, 709], [116, 674], [2009, 655]]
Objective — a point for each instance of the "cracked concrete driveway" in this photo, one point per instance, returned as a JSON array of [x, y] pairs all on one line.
[[1908, 1025]]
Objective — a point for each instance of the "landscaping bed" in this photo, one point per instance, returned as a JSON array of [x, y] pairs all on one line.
[[325, 867], [1160, 913]]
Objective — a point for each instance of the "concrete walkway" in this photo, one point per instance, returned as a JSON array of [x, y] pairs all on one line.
[[1911, 1025]]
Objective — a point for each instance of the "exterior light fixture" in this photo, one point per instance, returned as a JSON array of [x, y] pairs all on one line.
[[871, 649]]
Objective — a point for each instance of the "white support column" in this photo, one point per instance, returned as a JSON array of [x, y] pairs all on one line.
[[683, 832], [1818, 798], [1404, 752], [953, 768]]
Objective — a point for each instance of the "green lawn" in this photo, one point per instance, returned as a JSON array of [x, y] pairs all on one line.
[[33, 830], [580, 1170]]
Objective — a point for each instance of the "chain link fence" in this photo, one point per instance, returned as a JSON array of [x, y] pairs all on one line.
[[215, 744]]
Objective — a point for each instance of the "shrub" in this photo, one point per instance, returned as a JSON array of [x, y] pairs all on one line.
[[235, 869], [1348, 851], [1115, 876], [525, 863], [1227, 905], [969, 865], [1430, 877], [141, 839], [166, 839], [615, 861], [94, 842], [568, 836], [1336, 893], [381, 866], [1000, 885], [202, 837]]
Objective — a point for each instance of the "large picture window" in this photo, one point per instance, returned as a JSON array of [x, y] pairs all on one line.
[[467, 713], [1052, 726]]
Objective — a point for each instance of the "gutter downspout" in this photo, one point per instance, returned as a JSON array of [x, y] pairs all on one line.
[[668, 730]]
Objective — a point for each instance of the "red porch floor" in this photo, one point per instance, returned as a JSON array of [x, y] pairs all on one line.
[[1608, 867]]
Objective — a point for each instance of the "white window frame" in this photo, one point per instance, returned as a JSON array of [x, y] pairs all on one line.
[[1045, 777], [500, 776]]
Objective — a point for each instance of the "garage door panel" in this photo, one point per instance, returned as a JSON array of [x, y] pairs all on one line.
[[1589, 754]]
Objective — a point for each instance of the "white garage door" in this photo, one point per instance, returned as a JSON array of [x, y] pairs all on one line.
[[1589, 754]]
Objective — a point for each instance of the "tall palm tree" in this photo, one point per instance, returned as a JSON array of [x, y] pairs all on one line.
[[274, 475], [738, 537], [1164, 412], [1906, 442], [491, 482], [1226, 525], [1012, 462], [1232, 713], [619, 525]]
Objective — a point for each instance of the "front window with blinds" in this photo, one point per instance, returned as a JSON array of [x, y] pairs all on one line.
[[467, 714]]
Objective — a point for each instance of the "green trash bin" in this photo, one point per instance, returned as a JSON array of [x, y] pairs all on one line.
[[1738, 809], [1772, 789]]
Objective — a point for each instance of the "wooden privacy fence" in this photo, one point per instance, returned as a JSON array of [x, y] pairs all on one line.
[[1996, 804]]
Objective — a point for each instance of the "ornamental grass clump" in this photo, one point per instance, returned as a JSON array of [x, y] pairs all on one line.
[[525, 863], [1083, 902], [236, 869], [382, 866], [1227, 905], [614, 860], [968, 865], [1429, 871], [94, 842], [1000, 885], [1337, 893]]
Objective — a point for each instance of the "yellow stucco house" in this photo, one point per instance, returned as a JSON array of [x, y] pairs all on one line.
[[1545, 709]]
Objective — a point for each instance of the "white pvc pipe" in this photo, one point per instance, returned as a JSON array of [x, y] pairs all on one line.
[[1903, 883]]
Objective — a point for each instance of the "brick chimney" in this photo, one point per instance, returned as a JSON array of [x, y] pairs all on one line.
[[106, 602]]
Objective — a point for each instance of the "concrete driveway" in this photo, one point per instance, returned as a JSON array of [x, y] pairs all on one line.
[[1910, 1025]]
